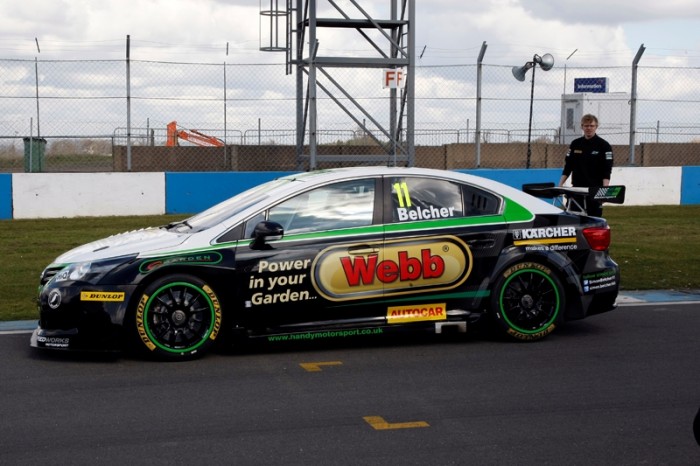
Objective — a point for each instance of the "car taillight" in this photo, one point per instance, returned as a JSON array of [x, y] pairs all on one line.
[[598, 238]]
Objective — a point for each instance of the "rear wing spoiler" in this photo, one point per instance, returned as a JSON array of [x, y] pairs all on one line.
[[578, 197]]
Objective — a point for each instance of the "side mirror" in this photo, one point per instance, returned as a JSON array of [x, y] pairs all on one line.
[[266, 231]]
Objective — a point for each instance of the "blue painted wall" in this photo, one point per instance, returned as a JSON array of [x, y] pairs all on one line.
[[187, 193], [5, 196], [690, 185]]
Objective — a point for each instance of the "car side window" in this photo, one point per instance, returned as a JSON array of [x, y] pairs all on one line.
[[419, 199], [251, 223], [340, 205], [480, 202]]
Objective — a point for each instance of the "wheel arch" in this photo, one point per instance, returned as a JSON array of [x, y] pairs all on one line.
[[212, 275], [560, 265], [178, 315]]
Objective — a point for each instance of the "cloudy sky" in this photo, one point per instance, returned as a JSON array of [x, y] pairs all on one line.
[[447, 31], [595, 33]]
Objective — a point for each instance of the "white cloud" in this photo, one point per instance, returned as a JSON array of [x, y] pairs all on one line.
[[603, 34], [605, 12], [196, 30]]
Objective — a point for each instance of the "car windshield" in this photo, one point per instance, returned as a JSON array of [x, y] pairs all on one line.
[[228, 208]]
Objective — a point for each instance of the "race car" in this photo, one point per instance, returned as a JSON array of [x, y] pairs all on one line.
[[334, 253]]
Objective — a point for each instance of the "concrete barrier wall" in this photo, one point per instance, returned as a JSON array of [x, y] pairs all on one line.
[[56, 195], [645, 186], [650, 186]]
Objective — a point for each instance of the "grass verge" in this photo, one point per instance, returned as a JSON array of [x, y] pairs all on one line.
[[656, 248]]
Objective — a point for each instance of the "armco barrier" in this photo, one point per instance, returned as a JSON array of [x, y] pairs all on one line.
[[55, 195]]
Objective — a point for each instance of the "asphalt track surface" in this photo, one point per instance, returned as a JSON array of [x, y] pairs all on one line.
[[620, 388]]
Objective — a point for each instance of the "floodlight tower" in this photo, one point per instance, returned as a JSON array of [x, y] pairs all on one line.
[[393, 43]]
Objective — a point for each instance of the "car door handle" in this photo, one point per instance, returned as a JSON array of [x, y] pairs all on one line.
[[481, 243], [363, 250]]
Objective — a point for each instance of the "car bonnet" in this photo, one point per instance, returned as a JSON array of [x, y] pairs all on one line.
[[123, 244]]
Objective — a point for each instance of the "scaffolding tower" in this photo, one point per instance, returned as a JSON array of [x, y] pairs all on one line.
[[293, 26]]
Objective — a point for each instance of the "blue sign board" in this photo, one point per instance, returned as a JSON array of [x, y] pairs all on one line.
[[591, 85]]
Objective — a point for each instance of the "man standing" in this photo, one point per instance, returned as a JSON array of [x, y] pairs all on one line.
[[589, 161]]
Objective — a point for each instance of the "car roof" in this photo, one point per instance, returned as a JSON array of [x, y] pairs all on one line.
[[319, 177]]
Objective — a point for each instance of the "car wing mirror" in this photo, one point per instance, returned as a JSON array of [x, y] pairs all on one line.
[[266, 231]]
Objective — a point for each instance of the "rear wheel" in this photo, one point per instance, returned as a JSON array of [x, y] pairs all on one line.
[[178, 317], [527, 301]]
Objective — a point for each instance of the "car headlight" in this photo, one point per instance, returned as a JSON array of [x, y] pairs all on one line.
[[91, 272]]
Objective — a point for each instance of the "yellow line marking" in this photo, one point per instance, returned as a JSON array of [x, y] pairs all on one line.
[[316, 366], [378, 423]]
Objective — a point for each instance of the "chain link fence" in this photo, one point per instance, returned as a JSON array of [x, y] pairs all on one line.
[[114, 115]]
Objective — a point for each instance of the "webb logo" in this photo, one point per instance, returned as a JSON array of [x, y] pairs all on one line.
[[358, 271], [364, 270]]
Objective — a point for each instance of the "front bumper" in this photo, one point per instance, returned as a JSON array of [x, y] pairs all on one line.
[[70, 319], [74, 340]]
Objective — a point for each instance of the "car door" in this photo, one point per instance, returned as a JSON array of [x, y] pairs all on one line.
[[445, 237], [300, 280]]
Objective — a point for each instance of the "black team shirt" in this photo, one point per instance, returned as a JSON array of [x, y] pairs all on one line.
[[590, 161]]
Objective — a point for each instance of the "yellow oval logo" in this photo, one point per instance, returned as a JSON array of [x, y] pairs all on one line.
[[367, 270]]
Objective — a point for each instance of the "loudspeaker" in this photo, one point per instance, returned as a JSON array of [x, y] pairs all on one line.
[[546, 61], [519, 71]]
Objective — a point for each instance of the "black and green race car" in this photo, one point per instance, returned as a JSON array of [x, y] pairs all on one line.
[[333, 253]]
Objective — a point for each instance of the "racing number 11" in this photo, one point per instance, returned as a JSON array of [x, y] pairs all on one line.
[[402, 194]]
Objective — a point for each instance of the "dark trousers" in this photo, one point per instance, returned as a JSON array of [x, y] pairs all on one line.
[[594, 208]]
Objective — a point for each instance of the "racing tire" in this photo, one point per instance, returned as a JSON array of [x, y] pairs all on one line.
[[178, 317], [527, 301]]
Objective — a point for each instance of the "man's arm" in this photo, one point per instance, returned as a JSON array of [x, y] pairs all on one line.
[[608, 164]]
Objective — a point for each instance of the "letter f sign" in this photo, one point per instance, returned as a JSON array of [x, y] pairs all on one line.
[[393, 78]]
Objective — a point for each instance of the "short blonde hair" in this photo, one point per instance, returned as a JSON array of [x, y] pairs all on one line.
[[588, 118]]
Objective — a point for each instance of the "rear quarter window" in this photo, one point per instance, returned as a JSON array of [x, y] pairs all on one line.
[[419, 199]]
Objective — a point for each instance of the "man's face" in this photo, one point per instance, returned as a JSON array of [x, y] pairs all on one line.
[[589, 128]]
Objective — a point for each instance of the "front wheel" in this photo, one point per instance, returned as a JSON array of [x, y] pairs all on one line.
[[528, 300], [178, 317]]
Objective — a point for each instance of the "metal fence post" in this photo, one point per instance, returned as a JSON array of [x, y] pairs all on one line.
[[128, 103], [477, 131], [633, 103]]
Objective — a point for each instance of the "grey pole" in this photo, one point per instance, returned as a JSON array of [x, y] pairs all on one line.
[[128, 103], [633, 102], [477, 132]]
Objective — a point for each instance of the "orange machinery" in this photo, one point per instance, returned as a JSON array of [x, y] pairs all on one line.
[[190, 135]]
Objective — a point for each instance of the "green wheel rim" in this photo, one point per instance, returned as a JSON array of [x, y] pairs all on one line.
[[529, 301], [179, 317]]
